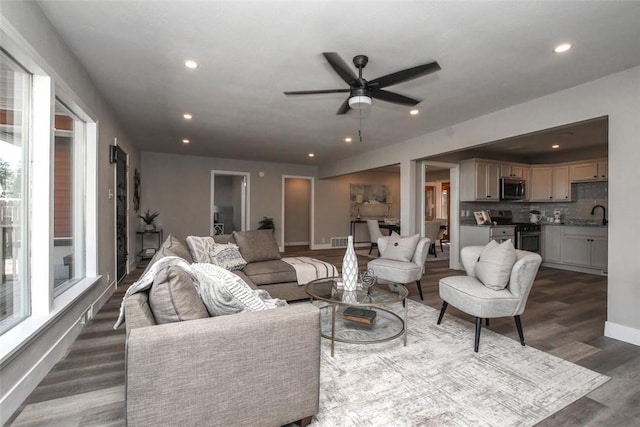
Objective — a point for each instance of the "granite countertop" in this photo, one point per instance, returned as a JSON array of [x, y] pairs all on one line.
[[575, 223]]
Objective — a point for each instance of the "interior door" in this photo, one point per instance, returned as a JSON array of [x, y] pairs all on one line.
[[121, 214]]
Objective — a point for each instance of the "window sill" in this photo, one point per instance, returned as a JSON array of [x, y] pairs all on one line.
[[29, 329]]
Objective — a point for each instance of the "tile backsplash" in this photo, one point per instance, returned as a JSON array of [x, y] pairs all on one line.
[[584, 196]]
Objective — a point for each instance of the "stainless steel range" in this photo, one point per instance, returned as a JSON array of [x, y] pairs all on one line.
[[527, 235]]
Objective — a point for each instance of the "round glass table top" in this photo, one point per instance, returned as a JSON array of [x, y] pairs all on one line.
[[331, 290]]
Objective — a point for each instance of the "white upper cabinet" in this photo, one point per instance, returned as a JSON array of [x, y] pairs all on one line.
[[589, 171], [479, 180], [513, 170], [550, 184]]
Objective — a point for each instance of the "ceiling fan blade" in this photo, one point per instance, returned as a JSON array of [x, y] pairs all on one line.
[[404, 75], [313, 92], [341, 67], [396, 98], [344, 108]]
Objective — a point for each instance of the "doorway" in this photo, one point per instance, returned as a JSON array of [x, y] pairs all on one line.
[[297, 211], [229, 206]]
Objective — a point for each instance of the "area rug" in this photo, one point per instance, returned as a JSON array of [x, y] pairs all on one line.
[[438, 380]]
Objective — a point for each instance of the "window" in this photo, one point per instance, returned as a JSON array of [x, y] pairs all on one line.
[[36, 169], [15, 112], [69, 197]]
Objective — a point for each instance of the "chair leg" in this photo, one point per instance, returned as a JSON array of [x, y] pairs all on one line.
[[441, 247], [419, 289], [435, 253], [478, 329], [371, 248], [442, 310], [486, 321], [519, 327]]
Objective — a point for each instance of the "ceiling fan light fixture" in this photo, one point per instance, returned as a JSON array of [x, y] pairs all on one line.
[[360, 102]]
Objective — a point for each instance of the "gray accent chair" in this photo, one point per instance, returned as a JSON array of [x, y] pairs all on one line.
[[400, 271], [469, 295]]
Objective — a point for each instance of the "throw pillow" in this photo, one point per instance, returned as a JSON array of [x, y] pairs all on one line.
[[223, 292], [227, 256], [257, 245], [201, 247], [401, 248], [173, 297], [494, 265]]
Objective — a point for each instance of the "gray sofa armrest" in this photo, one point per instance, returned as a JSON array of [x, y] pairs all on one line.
[[259, 368]]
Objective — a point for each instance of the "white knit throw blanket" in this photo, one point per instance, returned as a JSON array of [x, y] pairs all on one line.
[[309, 269]]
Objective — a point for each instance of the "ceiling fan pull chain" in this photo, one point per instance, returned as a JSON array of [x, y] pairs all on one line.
[[360, 127]]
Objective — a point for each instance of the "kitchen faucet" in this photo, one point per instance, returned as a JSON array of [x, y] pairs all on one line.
[[604, 213]]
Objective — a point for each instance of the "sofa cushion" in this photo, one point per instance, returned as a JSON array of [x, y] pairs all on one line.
[[224, 292], [172, 246], [400, 248], [494, 265], [201, 247], [228, 257], [257, 245], [268, 272], [174, 298], [223, 238]]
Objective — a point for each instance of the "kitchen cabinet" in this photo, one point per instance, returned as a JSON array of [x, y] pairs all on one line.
[[551, 243], [590, 171], [550, 184], [479, 180], [480, 235], [585, 247], [513, 170], [603, 170]]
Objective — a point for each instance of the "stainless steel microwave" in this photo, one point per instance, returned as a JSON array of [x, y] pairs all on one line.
[[512, 189]]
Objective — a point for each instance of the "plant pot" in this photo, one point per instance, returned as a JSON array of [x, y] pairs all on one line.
[[149, 227]]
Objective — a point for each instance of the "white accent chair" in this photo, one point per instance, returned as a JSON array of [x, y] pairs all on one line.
[[431, 231], [374, 234], [469, 295], [401, 271]]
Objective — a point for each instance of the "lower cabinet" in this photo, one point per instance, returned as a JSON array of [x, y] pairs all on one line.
[[551, 243], [585, 247]]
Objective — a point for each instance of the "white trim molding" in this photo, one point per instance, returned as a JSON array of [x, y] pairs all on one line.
[[622, 333]]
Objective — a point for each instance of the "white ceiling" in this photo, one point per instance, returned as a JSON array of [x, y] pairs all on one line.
[[492, 54]]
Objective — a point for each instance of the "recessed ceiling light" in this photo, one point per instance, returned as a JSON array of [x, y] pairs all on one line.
[[189, 63], [311, 155], [555, 146], [561, 48], [187, 116], [347, 139], [414, 112], [185, 141]]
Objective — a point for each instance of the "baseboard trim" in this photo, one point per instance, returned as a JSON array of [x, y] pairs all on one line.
[[622, 333]]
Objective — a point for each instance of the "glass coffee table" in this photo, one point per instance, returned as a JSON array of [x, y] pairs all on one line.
[[363, 316]]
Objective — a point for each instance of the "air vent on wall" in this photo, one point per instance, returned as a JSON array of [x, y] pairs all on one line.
[[339, 242]]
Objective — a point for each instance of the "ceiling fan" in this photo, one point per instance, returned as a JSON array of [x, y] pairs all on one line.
[[362, 91]]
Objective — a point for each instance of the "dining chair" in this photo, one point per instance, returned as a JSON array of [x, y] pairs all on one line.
[[443, 230], [374, 234], [431, 231]]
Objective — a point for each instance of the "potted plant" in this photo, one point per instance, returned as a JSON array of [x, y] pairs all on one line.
[[148, 217], [266, 223]]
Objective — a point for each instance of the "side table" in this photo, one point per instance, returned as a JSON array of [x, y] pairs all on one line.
[[148, 250]]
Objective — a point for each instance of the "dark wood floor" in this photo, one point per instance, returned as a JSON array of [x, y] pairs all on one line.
[[565, 316]]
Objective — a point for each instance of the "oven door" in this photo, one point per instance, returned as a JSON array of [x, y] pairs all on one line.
[[529, 241]]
